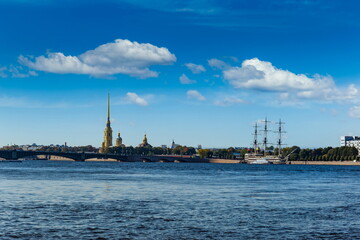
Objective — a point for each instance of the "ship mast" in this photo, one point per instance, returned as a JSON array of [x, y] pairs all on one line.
[[266, 130], [255, 143], [280, 134]]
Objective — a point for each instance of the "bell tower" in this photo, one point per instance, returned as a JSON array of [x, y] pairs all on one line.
[[108, 131], [119, 142]]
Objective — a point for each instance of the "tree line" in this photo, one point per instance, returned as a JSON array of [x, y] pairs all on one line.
[[321, 154], [297, 154], [149, 150]]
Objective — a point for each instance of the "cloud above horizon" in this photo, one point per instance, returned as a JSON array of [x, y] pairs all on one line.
[[119, 57], [195, 68], [185, 80], [261, 75], [16, 72], [354, 112], [228, 101], [133, 98], [218, 64], [194, 94]]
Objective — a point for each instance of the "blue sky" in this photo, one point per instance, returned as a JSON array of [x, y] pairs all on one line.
[[199, 72]]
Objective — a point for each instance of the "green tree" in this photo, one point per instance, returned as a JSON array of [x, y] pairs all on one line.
[[203, 152]]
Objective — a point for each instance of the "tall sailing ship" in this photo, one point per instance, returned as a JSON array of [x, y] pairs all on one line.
[[263, 157]]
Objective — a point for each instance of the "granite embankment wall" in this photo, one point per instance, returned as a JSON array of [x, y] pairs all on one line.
[[218, 160], [326, 162], [210, 160]]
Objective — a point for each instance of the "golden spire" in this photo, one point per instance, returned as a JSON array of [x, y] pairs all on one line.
[[109, 105], [108, 117], [107, 143]]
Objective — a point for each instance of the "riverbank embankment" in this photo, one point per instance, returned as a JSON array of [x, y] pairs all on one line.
[[325, 163], [219, 160]]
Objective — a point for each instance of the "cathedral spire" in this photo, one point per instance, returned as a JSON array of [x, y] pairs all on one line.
[[107, 143], [108, 105]]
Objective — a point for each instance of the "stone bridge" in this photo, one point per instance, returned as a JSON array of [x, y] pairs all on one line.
[[77, 156], [83, 156]]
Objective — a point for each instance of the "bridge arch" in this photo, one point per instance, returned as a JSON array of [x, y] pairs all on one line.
[[108, 159], [63, 156], [143, 159], [166, 160], [46, 157], [178, 160], [76, 156]]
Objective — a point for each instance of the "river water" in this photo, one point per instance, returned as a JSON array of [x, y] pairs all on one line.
[[111, 200]]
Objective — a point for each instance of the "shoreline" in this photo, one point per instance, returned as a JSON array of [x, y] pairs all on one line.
[[219, 160], [340, 163], [232, 161]]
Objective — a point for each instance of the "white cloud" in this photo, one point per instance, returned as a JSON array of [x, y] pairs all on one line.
[[194, 68], [133, 98], [354, 112], [227, 101], [3, 72], [332, 93], [218, 64], [234, 59], [16, 72], [193, 94], [20, 72], [119, 57], [185, 80], [261, 75], [258, 74]]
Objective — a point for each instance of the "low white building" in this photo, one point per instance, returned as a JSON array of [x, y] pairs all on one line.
[[350, 141]]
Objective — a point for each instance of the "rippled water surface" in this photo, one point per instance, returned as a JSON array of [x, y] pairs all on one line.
[[89, 200]]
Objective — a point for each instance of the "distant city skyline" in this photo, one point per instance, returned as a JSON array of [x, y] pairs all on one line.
[[198, 72]]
